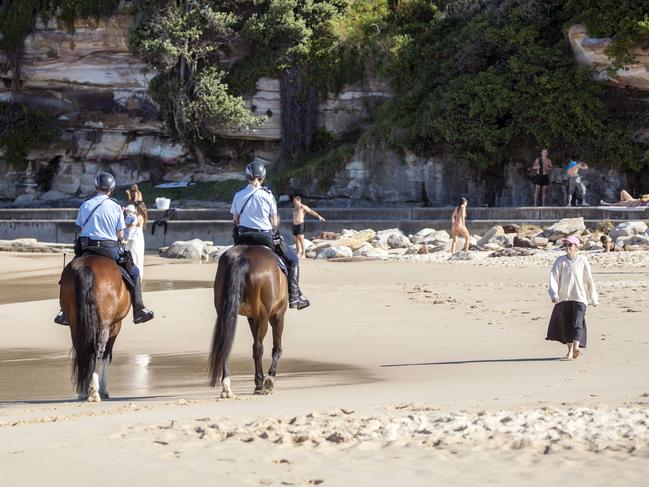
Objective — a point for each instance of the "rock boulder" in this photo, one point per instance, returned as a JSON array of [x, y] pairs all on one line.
[[564, 228], [628, 229]]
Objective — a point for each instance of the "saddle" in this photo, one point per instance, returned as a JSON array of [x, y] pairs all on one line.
[[125, 262], [256, 238]]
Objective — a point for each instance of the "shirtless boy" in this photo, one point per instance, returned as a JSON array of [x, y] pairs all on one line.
[[299, 210], [576, 188]]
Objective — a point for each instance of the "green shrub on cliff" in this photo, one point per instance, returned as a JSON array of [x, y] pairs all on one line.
[[22, 129], [184, 42], [488, 82]]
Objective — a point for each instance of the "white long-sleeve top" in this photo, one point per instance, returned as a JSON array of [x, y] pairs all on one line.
[[572, 280]]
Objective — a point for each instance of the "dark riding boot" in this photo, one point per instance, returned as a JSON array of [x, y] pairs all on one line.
[[295, 298], [61, 319], [140, 313]]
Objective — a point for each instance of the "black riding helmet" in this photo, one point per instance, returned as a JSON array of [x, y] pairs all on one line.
[[105, 182], [256, 170]]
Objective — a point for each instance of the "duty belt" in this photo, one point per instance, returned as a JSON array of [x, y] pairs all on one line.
[[243, 229], [101, 243]]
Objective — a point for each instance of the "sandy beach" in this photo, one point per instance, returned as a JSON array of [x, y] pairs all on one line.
[[418, 372]]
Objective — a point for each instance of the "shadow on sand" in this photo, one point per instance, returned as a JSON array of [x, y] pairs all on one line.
[[481, 361]]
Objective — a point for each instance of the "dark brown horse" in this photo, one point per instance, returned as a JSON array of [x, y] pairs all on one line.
[[249, 283], [95, 300]]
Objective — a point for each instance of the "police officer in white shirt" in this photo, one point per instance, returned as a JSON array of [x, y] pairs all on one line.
[[102, 223], [254, 210]]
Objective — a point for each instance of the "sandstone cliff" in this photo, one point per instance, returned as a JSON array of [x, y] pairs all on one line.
[[98, 90]]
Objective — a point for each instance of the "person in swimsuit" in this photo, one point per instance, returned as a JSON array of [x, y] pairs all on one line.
[[542, 168], [627, 200], [458, 225], [299, 210], [134, 194], [576, 188]]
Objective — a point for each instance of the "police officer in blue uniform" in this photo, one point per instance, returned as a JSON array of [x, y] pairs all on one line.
[[102, 225], [254, 210]]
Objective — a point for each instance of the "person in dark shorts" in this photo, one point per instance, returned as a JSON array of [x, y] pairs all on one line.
[[541, 169], [299, 210]]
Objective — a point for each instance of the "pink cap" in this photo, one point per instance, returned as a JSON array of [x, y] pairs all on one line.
[[572, 239]]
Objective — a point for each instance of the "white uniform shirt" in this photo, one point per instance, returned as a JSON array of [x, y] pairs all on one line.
[[572, 280], [259, 209], [105, 222]]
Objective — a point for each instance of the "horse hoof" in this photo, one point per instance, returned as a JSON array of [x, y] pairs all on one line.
[[104, 395], [259, 391], [94, 397], [227, 395], [269, 385]]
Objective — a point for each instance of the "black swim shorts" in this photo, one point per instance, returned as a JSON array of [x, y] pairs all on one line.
[[298, 229]]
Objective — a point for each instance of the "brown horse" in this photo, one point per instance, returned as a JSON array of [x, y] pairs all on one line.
[[249, 283], [95, 300]]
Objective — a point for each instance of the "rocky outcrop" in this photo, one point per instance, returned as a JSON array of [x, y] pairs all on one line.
[[591, 51], [376, 174], [99, 91]]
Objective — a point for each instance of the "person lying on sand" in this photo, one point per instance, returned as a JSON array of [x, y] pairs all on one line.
[[627, 200]]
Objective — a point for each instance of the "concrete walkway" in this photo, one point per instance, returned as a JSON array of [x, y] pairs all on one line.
[[57, 224]]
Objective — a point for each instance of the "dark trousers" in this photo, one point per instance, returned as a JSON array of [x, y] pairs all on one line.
[[286, 252], [134, 272]]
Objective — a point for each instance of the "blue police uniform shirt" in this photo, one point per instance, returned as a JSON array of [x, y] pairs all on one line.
[[105, 222], [259, 209]]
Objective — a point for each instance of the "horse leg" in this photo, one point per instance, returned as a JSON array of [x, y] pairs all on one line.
[[226, 393], [258, 328], [277, 323], [106, 359], [100, 348]]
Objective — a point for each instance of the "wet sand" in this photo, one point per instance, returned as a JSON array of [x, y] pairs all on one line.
[[134, 376], [390, 356]]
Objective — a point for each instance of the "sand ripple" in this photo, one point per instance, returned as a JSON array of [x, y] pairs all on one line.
[[600, 429]]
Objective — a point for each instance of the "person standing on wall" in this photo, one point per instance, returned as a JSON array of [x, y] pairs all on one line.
[[541, 168], [576, 187], [299, 211]]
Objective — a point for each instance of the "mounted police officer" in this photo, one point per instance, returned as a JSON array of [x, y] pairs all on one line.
[[254, 212], [102, 228]]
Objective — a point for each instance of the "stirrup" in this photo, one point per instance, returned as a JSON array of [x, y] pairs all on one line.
[[300, 303], [142, 316], [61, 319]]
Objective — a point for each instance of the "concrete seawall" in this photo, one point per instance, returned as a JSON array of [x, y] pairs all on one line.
[[57, 225]]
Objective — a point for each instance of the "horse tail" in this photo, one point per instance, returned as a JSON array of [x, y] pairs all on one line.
[[226, 320], [87, 330]]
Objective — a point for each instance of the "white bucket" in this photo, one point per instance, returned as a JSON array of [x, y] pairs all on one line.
[[162, 203]]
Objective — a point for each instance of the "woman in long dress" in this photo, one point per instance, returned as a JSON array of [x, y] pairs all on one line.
[[135, 225], [571, 287]]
